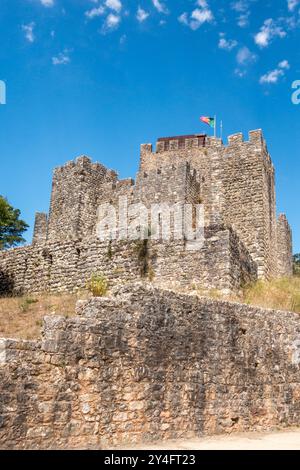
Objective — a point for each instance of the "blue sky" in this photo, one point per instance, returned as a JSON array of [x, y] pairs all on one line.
[[100, 77]]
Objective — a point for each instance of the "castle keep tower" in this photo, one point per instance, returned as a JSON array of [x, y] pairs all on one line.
[[250, 203], [236, 184]]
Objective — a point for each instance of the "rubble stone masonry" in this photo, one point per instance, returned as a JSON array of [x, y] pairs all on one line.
[[146, 365], [222, 263]]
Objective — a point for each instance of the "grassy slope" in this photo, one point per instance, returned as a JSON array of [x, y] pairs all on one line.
[[21, 317], [279, 294]]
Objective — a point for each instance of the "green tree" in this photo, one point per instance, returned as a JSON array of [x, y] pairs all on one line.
[[297, 264], [11, 226]]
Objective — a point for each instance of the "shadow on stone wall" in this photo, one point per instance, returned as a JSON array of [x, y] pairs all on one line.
[[6, 284]]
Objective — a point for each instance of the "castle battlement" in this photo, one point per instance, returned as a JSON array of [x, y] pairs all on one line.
[[199, 141]]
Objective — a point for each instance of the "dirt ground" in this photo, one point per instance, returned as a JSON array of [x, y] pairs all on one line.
[[276, 440]]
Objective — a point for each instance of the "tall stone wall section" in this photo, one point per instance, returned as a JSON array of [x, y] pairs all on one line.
[[149, 365], [68, 265], [284, 246], [174, 183], [250, 205], [203, 165], [40, 230]]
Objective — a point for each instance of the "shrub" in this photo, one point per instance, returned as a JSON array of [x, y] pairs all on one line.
[[98, 285]]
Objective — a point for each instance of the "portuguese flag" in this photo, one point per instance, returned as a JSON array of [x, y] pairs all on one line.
[[209, 121]]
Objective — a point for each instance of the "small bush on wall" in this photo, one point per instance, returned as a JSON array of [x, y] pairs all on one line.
[[98, 285]]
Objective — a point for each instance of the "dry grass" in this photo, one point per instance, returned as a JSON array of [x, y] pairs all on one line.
[[279, 294], [22, 317]]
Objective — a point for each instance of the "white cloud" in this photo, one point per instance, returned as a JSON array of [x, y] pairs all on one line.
[[198, 17], [273, 76], [245, 57], [292, 4], [202, 3], [226, 44], [284, 64], [115, 5], [183, 19], [243, 20], [62, 58], [112, 22], [240, 73], [161, 7], [28, 31], [47, 3], [141, 14], [95, 12], [267, 32], [202, 16], [240, 6]]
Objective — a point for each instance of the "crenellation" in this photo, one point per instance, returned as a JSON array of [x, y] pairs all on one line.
[[213, 142], [256, 137], [235, 139], [146, 148], [160, 147], [83, 161]]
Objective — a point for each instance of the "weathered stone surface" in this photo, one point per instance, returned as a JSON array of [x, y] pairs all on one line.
[[222, 263], [150, 364], [284, 245]]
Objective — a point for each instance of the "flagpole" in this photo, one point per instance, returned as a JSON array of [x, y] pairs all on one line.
[[215, 133], [221, 129]]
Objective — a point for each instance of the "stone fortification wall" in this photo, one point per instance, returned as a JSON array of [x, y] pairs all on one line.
[[148, 365], [221, 263]]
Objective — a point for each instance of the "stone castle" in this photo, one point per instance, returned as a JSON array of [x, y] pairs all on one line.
[[243, 238], [147, 363]]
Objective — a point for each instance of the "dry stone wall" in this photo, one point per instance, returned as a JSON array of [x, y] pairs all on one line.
[[222, 263], [147, 365]]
